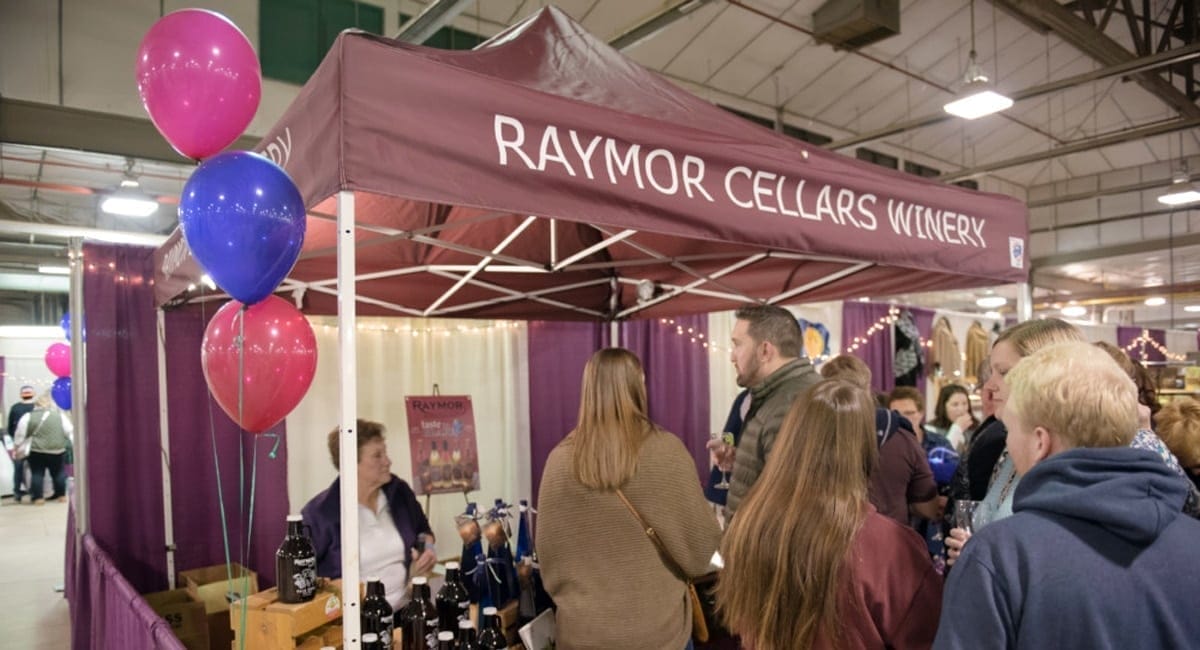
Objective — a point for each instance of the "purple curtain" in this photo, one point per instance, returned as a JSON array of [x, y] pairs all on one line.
[[924, 320], [123, 448], [676, 377], [106, 610], [558, 351], [196, 421], [1141, 352], [877, 352]]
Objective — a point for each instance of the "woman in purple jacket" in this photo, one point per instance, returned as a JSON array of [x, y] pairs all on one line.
[[390, 521]]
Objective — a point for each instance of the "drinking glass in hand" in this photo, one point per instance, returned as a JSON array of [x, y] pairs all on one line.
[[727, 439], [965, 512]]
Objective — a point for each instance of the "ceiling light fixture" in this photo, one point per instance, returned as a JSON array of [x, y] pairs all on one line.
[[991, 302], [53, 269], [1155, 301], [1074, 311], [1182, 191], [1192, 308], [129, 200], [978, 96]]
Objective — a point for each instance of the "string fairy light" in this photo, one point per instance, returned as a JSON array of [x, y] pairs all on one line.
[[1145, 339], [890, 319], [694, 337]]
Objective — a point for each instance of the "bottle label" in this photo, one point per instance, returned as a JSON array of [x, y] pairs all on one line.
[[385, 631], [305, 576], [431, 627]]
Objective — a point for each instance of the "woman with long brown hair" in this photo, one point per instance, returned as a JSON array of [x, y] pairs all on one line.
[[611, 587], [808, 560]]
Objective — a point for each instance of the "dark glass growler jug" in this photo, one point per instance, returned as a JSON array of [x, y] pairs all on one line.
[[377, 613], [296, 564]]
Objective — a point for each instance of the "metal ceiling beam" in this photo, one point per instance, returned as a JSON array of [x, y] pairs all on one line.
[[1143, 64], [436, 15], [1135, 248], [1119, 137], [46, 125], [1091, 41], [655, 24]]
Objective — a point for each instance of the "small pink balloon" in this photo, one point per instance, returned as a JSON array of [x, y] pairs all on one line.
[[58, 359], [199, 79], [276, 358]]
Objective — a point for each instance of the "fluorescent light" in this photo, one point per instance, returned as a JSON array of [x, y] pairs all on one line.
[[1074, 311], [978, 103], [31, 331], [52, 269], [991, 302], [1192, 308], [129, 204], [1156, 301], [1182, 196]]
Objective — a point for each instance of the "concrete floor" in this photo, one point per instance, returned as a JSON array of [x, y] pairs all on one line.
[[32, 540]]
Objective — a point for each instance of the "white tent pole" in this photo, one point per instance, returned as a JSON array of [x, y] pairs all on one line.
[[348, 392], [1024, 302], [79, 392], [164, 436]]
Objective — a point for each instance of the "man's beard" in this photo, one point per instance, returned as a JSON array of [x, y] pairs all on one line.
[[745, 380]]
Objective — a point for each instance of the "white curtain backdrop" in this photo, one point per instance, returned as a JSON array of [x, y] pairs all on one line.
[[398, 357], [1181, 341], [722, 379]]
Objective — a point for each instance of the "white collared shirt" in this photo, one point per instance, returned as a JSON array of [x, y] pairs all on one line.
[[382, 550]]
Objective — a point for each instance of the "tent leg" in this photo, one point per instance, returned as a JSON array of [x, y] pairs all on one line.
[[1024, 302], [348, 391], [164, 432], [614, 333], [79, 391]]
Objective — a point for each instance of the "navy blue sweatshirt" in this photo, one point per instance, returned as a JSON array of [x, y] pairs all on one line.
[[1097, 555]]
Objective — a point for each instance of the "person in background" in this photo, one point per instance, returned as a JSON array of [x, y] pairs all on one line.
[[909, 403], [1097, 553], [15, 413], [1178, 424], [50, 434], [1148, 405], [809, 563], [390, 521], [611, 587], [901, 483], [767, 356], [952, 416]]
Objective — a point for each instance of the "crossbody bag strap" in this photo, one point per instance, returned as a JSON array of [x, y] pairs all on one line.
[[654, 538]]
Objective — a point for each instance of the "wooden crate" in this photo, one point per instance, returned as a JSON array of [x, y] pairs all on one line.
[[186, 617], [272, 625], [212, 586]]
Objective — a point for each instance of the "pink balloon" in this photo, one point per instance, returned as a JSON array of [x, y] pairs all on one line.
[[58, 359], [280, 357], [199, 80]]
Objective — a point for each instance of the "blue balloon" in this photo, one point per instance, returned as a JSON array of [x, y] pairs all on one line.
[[65, 324], [244, 221], [61, 392]]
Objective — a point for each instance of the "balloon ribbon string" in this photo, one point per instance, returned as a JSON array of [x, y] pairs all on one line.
[[212, 432], [241, 349]]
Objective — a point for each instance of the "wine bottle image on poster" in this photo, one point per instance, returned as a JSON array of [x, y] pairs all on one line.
[[441, 436]]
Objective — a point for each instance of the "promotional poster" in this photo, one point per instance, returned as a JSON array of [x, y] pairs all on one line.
[[441, 435]]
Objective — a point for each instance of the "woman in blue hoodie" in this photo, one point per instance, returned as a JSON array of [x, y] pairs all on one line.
[[1098, 553]]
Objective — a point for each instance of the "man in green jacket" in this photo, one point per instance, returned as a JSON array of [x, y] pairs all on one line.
[[768, 359]]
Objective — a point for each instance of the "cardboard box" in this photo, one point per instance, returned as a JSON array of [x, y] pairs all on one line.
[[211, 585], [272, 625], [186, 617]]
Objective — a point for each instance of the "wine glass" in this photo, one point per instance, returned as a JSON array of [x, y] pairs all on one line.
[[726, 438], [965, 515]]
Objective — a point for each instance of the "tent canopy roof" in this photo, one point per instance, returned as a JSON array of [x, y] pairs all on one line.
[[544, 175]]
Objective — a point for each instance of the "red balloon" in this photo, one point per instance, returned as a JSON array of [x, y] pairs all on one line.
[[278, 358]]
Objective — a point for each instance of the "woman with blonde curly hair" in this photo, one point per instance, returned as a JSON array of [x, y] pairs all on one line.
[[809, 563]]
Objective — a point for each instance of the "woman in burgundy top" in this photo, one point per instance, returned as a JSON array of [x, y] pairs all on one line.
[[808, 560]]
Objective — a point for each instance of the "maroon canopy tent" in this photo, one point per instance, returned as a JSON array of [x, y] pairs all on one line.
[[545, 176]]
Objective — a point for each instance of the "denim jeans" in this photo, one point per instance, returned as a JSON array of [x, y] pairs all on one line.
[[41, 463], [18, 479], [690, 645]]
